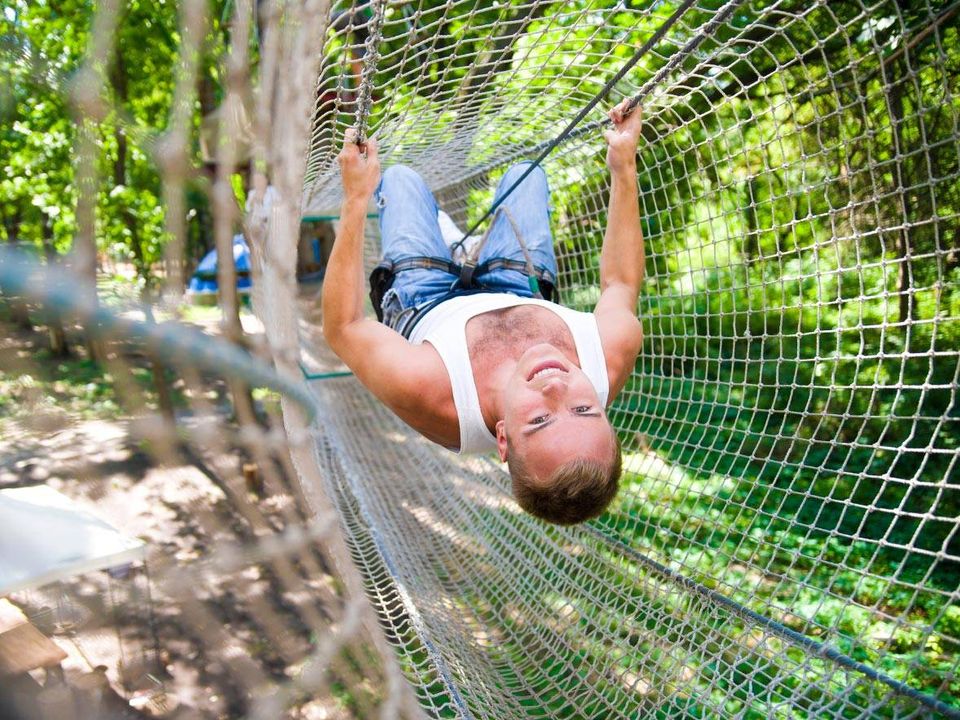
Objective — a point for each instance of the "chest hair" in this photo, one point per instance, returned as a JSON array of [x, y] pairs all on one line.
[[507, 333]]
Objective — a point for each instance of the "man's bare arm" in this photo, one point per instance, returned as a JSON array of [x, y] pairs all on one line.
[[343, 286], [621, 259], [622, 255], [383, 360]]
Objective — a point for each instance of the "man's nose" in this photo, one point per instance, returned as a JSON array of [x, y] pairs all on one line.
[[553, 386]]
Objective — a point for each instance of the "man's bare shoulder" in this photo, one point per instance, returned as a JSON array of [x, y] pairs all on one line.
[[408, 378], [423, 397], [418, 377], [412, 381]]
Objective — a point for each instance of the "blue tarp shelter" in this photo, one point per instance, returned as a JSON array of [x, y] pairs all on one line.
[[204, 279]]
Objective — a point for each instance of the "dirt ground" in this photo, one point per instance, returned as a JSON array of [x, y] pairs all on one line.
[[120, 621]]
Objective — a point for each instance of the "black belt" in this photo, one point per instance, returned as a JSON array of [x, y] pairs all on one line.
[[419, 313]]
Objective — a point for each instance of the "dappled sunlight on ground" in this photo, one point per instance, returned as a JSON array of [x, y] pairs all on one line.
[[65, 430]]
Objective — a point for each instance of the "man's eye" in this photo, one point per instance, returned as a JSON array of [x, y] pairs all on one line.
[[539, 420], [583, 408]]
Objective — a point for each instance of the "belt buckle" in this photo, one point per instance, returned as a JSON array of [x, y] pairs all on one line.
[[466, 273]]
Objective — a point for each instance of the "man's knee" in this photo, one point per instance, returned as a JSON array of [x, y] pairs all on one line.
[[520, 167], [401, 174], [537, 176], [403, 184]]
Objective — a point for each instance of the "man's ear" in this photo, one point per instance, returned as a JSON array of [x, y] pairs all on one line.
[[502, 440]]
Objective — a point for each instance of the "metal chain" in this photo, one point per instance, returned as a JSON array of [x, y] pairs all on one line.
[[370, 58]]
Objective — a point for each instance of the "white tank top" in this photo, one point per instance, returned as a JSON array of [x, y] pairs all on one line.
[[445, 327]]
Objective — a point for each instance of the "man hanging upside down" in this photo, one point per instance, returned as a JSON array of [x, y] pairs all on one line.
[[467, 354]]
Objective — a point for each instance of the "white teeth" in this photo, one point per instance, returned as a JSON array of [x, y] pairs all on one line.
[[546, 371]]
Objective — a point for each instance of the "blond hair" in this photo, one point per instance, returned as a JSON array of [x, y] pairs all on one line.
[[576, 491]]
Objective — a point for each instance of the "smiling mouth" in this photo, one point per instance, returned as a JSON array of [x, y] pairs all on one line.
[[545, 369]]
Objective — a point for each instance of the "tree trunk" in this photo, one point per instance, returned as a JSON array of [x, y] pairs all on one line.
[[225, 216], [118, 79], [11, 224], [58, 338], [229, 300], [751, 243], [904, 248], [19, 313], [84, 250], [158, 368]]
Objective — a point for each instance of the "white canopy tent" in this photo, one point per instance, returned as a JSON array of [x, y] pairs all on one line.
[[46, 537]]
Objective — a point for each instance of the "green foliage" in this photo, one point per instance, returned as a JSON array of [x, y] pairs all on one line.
[[799, 388], [79, 387], [803, 420], [44, 46], [811, 412], [40, 49], [817, 436]]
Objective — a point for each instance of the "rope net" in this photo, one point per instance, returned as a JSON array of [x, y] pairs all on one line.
[[242, 601], [785, 542]]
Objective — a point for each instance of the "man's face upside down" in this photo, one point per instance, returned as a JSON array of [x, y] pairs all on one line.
[[552, 413]]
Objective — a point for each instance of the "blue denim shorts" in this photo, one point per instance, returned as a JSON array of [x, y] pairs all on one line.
[[409, 227]]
